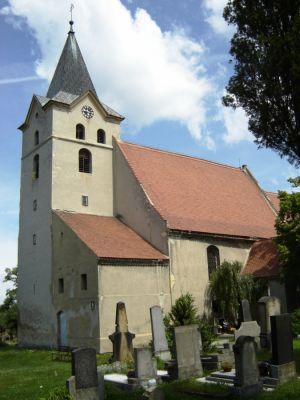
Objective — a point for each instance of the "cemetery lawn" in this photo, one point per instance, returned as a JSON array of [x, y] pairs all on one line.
[[32, 375]]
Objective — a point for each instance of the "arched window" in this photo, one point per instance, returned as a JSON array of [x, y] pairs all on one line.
[[85, 161], [36, 138], [213, 259], [101, 136], [36, 167], [80, 132]]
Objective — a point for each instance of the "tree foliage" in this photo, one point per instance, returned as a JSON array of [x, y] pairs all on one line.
[[288, 237], [228, 288], [8, 310], [266, 79]]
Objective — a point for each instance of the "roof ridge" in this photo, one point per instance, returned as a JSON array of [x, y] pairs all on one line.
[[181, 155]]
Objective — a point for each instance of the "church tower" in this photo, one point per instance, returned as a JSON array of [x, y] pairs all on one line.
[[67, 164]]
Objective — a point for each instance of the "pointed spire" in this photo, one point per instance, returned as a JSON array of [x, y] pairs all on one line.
[[71, 74]]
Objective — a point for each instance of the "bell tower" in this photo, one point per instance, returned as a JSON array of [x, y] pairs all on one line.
[[67, 164]]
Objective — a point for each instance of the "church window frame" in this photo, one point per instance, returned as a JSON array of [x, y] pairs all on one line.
[[36, 138], [80, 132], [36, 167], [34, 239], [101, 136], [213, 259], [61, 285], [85, 200], [85, 161], [83, 281]]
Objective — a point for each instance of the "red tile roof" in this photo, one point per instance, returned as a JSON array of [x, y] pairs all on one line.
[[263, 260], [107, 237], [273, 197], [192, 194]]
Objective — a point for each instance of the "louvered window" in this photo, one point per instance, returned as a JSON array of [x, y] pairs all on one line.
[[101, 136], [80, 132], [85, 161], [213, 259]]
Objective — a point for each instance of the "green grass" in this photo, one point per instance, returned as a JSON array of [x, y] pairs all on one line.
[[32, 375]]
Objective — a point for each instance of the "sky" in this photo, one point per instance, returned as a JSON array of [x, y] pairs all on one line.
[[163, 64]]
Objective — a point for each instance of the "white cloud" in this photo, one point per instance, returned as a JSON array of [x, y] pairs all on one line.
[[235, 123], [214, 9], [146, 74], [18, 80]]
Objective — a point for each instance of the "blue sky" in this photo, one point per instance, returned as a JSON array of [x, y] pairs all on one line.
[[163, 64]]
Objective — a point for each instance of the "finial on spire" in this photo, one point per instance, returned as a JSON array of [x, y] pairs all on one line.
[[71, 21]]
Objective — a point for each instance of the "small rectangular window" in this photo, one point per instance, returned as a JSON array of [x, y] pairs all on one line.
[[34, 205], [61, 285], [34, 239], [83, 282], [85, 200]]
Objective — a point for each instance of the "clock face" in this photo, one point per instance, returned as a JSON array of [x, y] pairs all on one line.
[[87, 112]]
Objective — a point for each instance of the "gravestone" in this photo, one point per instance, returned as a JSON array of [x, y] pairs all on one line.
[[145, 365], [187, 353], [160, 344], [267, 306], [248, 328], [85, 383], [122, 338], [283, 366], [246, 382], [246, 311]]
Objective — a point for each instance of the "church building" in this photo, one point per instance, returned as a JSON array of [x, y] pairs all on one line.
[[103, 221]]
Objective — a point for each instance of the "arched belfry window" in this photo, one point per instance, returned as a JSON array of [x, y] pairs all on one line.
[[85, 161], [36, 166], [101, 136], [213, 259], [36, 138], [80, 132]]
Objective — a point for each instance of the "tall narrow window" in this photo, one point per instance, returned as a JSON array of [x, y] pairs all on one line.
[[101, 136], [80, 132], [213, 259], [83, 282], [36, 138], [36, 167], [61, 285], [85, 161]]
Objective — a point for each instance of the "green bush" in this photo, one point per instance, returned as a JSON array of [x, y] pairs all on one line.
[[295, 317], [184, 312]]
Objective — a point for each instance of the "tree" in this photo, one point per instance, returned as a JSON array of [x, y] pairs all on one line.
[[228, 288], [288, 242], [266, 79], [8, 310]]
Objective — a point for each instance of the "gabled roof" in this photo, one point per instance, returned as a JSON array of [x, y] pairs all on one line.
[[109, 238], [196, 195], [263, 260], [273, 197], [71, 74]]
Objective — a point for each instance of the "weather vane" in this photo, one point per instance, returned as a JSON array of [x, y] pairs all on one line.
[[71, 11], [71, 22]]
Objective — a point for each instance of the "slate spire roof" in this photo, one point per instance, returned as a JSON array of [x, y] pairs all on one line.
[[71, 74]]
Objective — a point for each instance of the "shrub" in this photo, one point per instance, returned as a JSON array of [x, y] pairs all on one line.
[[184, 312], [295, 317]]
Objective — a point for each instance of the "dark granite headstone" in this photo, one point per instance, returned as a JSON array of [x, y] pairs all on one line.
[[282, 339], [84, 368], [246, 311]]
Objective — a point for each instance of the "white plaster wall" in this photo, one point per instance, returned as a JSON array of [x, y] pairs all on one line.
[[69, 185], [189, 268], [139, 287], [36, 315], [71, 258], [134, 207]]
